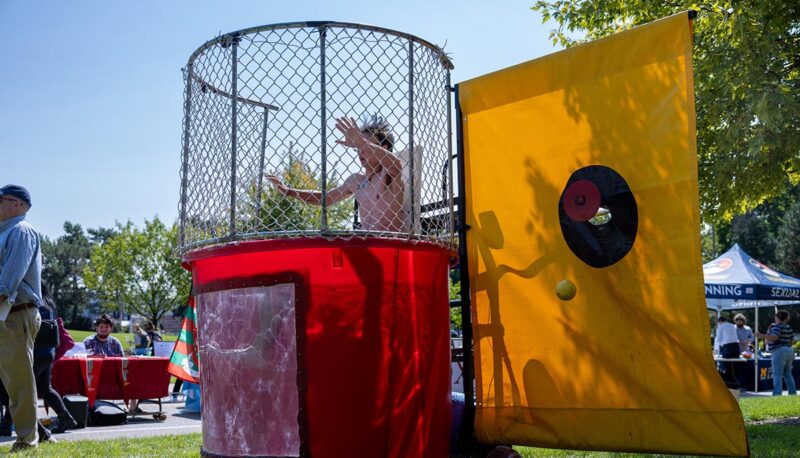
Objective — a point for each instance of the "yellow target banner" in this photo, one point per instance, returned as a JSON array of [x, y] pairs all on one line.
[[590, 325]]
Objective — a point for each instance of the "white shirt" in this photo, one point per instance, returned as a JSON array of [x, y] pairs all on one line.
[[726, 334]]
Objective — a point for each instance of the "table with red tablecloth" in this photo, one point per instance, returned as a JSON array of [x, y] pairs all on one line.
[[112, 378]]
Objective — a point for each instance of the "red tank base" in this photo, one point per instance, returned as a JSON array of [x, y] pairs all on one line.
[[324, 348]]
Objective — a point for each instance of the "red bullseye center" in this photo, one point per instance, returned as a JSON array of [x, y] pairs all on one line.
[[581, 200]]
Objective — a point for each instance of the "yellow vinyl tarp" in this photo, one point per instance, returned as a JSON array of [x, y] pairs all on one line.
[[626, 364]]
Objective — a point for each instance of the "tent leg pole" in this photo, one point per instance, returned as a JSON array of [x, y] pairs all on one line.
[[755, 375]]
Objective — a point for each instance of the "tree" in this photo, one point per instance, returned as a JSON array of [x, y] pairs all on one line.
[[753, 233], [276, 212], [139, 270], [455, 312], [709, 243], [747, 86], [101, 235], [267, 210], [63, 262], [758, 231], [788, 246]]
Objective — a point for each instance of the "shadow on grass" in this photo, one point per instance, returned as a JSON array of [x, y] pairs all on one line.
[[774, 440], [766, 440]]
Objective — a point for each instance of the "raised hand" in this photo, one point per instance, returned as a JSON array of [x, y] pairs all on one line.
[[275, 181], [352, 135]]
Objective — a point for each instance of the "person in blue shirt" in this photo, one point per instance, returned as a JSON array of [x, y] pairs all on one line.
[[743, 332], [20, 297]]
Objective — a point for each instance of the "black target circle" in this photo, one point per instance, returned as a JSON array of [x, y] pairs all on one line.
[[598, 215]]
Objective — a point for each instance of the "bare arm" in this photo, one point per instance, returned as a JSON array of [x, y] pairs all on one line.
[[767, 337], [312, 197], [354, 139]]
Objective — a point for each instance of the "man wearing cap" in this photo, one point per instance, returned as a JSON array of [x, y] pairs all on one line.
[[20, 294]]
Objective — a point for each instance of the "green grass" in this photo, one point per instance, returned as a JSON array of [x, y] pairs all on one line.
[[125, 337], [766, 439], [769, 407], [187, 445]]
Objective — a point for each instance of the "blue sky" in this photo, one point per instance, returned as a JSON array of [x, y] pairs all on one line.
[[91, 91]]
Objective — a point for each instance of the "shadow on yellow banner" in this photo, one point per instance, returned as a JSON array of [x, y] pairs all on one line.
[[582, 179]]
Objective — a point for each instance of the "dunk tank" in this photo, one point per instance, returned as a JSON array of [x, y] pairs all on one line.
[[324, 332], [319, 334]]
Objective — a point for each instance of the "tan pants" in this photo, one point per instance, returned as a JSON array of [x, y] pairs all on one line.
[[17, 334]]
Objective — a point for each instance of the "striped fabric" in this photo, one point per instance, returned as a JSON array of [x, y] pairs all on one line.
[[784, 333]]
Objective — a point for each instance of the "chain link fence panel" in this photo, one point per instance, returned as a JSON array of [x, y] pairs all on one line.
[[265, 101]]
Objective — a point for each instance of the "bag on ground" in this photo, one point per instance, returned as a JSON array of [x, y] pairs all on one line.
[[107, 413], [78, 407]]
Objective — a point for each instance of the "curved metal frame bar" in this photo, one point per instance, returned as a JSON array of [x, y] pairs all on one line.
[[205, 86], [446, 62]]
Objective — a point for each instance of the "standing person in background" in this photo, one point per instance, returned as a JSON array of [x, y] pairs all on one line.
[[746, 338], [20, 295], [743, 332], [727, 343], [779, 339], [43, 358], [141, 342], [153, 335]]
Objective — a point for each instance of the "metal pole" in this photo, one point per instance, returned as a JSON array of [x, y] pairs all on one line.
[[466, 315], [323, 95], [755, 379], [261, 163], [411, 154], [450, 156], [234, 125], [187, 116]]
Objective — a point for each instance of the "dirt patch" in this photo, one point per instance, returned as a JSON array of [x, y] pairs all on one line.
[[788, 421]]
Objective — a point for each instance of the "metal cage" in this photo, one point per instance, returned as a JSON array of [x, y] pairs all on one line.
[[264, 101]]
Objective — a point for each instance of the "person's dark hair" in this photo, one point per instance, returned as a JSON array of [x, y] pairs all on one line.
[[721, 319], [104, 319], [48, 299], [380, 129], [782, 315]]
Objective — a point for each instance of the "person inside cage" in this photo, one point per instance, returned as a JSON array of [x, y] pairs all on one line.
[[379, 190]]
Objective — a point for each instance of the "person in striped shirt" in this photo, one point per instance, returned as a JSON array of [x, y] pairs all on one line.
[[779, 339]]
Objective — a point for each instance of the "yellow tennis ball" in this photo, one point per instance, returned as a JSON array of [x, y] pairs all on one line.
[[566, 290]]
